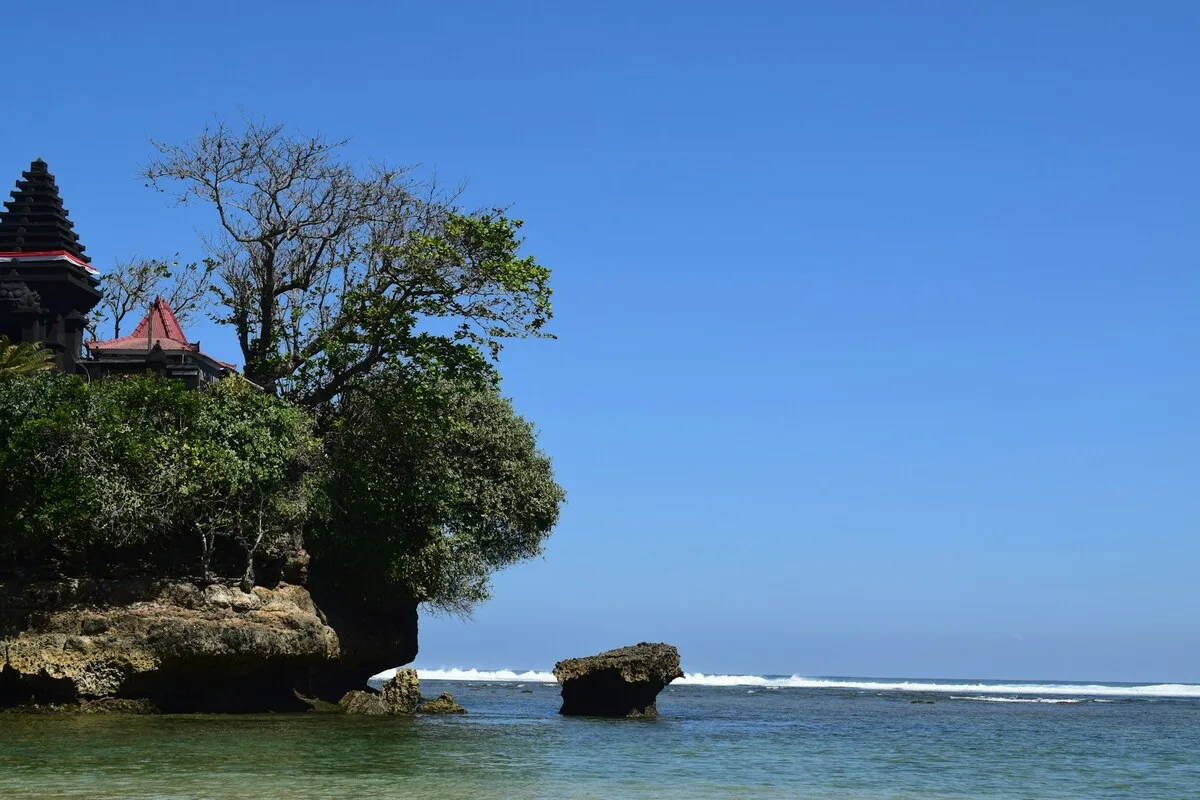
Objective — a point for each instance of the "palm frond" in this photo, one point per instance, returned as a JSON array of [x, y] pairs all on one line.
[[23, 358]]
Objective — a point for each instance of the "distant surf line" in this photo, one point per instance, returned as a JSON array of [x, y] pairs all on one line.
[[1157, 690]]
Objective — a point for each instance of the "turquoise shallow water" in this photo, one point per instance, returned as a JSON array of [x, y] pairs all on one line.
[[710, 742]]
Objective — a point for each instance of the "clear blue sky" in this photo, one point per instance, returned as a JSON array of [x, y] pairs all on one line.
[[878, 321]]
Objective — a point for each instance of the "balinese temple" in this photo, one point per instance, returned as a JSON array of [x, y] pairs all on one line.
[[48, 286], [157, 343]]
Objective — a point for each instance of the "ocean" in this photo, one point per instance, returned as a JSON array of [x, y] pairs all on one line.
[[716, 737]]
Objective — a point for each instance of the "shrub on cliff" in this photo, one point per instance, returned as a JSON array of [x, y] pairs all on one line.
[[144, 474], [433, 484]]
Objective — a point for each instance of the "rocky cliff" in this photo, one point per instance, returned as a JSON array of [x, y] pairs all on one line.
[[175, 646], [372, 638]]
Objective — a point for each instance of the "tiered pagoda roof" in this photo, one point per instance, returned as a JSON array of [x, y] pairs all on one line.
[[34, 224]]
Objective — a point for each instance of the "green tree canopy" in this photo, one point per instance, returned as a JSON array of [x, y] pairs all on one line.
[[432, 485], [143, 472]]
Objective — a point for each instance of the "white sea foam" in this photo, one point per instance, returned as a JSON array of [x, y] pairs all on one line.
[[476, 675], [1034, 690], [1055, 700], [943, 687]]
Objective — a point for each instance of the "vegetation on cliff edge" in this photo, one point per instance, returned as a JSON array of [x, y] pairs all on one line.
[[431, 487], [372, 308], [143, 474]]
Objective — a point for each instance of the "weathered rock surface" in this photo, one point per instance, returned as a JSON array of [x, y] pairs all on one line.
[[372, 638], [169, 645], [109, 705], [363, 701], [398, 697], [617, 683], [444, 703], [402, 692]]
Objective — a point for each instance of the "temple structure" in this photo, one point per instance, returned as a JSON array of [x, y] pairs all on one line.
[[47, 284], [157, 343], [48, 287]]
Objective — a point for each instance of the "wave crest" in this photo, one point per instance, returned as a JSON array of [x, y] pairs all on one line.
[[476, 675], [869, 685], [1046, 690]]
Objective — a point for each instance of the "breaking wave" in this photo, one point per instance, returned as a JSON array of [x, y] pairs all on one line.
[[948, 687], [1054, 700], [476, 675], [1044, 692]]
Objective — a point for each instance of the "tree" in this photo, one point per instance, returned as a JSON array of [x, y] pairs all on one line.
[[142, 474], [374, 299], [23, 358], [432, 485], [249, 473], [327, 272], [131, 286]]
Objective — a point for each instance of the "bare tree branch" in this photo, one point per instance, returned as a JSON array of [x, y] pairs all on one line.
[[131, 286], [326, 270]]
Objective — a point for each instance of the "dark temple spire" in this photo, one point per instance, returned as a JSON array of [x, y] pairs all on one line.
[[34, 220]]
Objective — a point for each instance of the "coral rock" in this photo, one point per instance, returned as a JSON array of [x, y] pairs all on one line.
[[444, 703], [402, 692], [360, 701], [175, 646], [398, 697], [617, 683]]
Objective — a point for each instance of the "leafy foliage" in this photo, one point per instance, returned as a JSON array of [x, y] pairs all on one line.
[[23, 358], [433, 484], [142, 470]]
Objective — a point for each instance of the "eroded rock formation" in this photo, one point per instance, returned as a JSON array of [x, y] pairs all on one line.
[[399, 696], [175, 646], [617, 683], [444, 703], [402, 692], [371, 638]]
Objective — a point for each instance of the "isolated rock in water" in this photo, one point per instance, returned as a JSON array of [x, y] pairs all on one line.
[[402, 692], [444, 703], [618, 683], [398, 697]]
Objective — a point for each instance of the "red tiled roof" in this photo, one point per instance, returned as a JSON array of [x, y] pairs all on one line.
[[160, 321], [158, 327]]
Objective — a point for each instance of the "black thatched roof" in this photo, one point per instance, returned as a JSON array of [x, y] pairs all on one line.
[[34, 220]]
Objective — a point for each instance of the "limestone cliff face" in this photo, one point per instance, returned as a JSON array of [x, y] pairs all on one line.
[[371, 639], [176, 646]]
